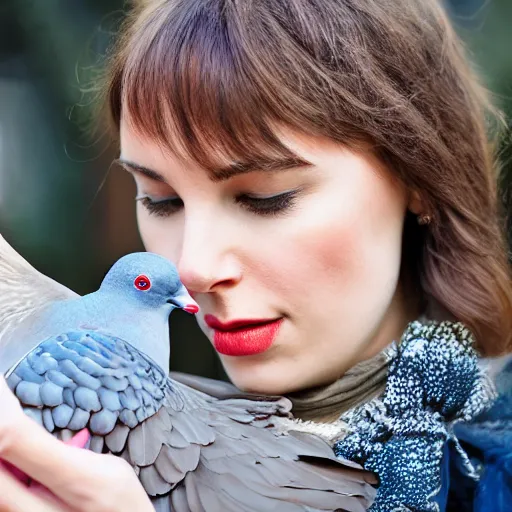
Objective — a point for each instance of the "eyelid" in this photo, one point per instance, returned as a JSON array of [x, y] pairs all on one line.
[[270, 196], [161, 207], [141, 197], [270, 206], [265, 206]]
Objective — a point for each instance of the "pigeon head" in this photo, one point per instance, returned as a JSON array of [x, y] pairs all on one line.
[[150, 280]]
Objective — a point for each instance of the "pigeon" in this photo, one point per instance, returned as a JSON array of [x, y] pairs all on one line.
[[101, 362]]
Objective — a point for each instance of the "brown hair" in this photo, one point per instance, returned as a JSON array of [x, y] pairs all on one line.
[[213, 78]]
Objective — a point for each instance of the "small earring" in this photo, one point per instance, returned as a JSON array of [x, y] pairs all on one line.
[[424, 219]]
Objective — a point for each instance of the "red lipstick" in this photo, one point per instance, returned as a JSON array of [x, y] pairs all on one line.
[[244, 337]]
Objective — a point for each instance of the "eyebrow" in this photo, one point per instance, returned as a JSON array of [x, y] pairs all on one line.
[[140, 168], [229, 171], [270, 165]]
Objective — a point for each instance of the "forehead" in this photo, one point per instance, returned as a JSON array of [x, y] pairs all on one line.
[[204, 83], [143, 153]]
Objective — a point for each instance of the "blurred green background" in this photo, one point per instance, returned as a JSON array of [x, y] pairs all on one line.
[[60, 204]]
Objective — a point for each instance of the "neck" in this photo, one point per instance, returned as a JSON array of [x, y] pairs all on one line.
[[150, 336], [359, 384], [145, 328], [366, 375], [402, 310]]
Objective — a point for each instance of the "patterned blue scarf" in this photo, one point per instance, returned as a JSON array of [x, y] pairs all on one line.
[[434, 382]]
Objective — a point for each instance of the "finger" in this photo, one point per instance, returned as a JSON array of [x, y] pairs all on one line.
[[80, 478], [8, 400], [15, 497], [79, 440], [15, 472], [43, 457], [11, 415], [13, 422]]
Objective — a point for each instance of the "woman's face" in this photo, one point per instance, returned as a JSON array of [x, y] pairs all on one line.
[[296, 271]]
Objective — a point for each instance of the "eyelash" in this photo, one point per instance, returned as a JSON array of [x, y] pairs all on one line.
[[266, 207]]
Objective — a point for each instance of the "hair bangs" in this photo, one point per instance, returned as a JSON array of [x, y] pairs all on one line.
[[189, 89], [217, 80]]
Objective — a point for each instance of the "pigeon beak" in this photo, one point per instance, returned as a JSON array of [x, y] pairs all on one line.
[[191, 308], [184, 301]]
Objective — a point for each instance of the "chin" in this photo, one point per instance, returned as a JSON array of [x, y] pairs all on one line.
[[266, 389], [263, 382]]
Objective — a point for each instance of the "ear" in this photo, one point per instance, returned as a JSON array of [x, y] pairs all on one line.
[[416, 204]]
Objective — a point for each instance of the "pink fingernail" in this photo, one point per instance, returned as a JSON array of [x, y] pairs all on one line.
[[80, 439]]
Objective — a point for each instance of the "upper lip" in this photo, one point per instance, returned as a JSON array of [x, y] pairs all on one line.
[[231, 325]]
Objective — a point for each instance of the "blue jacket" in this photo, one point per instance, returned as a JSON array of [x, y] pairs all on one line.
[[487, 440]]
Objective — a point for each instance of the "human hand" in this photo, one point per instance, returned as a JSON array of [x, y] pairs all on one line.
[[68, 479]]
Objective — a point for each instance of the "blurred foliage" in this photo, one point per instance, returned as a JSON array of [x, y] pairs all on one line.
[[485, 26], [48, 180], [59, 204]]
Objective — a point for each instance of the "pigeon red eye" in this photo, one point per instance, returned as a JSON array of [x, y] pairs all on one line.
[[142, 283]]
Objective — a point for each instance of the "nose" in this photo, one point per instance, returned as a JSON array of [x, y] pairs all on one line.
[[208, 259]]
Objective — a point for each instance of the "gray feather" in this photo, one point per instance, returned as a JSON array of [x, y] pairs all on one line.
[[79, 420], [69, 398], [51, 394], [97, 443], [116, 440], [87, 399], [214, 454], [142, 447], [29, 393], [103, 422], [62, 415], [48, 420], [166, 467], [154, 484]]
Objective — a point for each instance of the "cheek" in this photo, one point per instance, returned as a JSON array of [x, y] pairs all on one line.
[[329, 248], [148, 230], [344, 250], [158, 235], [326, 262], [350, 270], [360, 228]]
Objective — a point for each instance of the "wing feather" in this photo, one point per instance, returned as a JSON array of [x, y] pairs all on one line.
[[26, 293], [213, 454]]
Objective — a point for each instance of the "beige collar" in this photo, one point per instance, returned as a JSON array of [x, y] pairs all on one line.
[[359, 384]]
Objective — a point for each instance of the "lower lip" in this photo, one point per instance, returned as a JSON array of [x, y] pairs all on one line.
[[248, 341]]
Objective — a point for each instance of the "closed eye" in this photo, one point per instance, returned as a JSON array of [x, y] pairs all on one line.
[[161, 207], [263, 206], [270, 205]]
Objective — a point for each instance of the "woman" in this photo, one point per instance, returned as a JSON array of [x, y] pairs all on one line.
[[321, 174]]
